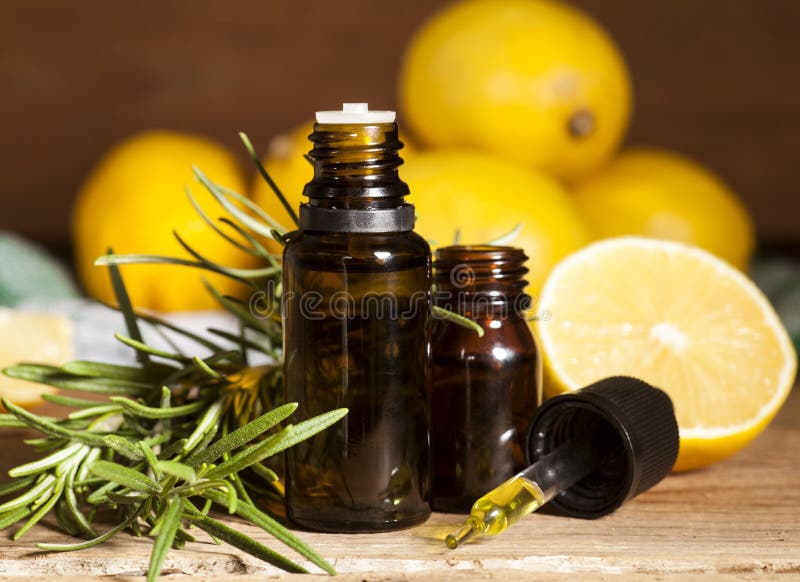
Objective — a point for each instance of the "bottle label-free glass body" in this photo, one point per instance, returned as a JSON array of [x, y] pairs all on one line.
[[484, 390], [356, 309]]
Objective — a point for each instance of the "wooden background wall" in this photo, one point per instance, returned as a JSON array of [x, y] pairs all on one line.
[[716, 79]]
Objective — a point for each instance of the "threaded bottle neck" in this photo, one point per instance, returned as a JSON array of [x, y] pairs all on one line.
[[355, 166], [356, 186], [466, 274]]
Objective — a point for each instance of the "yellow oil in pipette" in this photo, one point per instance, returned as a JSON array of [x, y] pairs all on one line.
[[615, 438], [498, 509], [526, 491]]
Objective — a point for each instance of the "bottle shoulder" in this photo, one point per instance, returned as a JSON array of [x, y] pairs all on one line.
[[385, 250]]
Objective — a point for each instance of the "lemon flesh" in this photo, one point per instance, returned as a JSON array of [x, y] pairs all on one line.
[[679, 318], [31, 337]]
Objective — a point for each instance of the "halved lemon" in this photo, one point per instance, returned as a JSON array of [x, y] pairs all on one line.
[[679, 318], [32, 337]]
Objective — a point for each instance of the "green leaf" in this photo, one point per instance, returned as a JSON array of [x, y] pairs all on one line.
[[15, 485], [246, 544], [156, 413], [47, 427], [151, 459], [71, 503], [289, 436], [442, 313], [267, 178], [209, 419], [52, 376], [12, 517], [125, 476], [47, 462], [243, 275], [43, 510], [124, 302], [124, 447], [171, 521], [116, 372], [90, 543], [207, 219], [94, 411], [507, 238], [177, 469], [69, 401], [139, 346], [258, 227], [243, 435], [272, 527]]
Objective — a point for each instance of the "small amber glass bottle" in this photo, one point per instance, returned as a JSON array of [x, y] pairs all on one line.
[[485, 390], [356, 300]]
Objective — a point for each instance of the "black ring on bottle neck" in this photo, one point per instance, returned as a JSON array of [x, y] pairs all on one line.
[[317, 218]]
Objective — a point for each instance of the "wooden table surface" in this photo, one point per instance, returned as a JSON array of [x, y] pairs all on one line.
[[739, 518]]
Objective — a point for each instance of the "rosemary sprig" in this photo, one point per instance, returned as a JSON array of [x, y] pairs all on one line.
[[178, 429]]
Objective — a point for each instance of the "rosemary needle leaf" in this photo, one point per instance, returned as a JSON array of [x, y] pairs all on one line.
[[508, 237], [238, 540], [125, 306], [50, 428], [205, 368], [446, 315], [267, 178], [12, 517], [154, 413], [177, 469], [45, 463], [43, 510], [243, 435], [250, 512], [71, 502], [16, 485], [124, 447], [142, 347], [289, 436], [69, 401], [207, 219], [240, 215], [125, 476], [171, 522], [52, 376], [210, 418], [113, 371], [93, 411], [151, 459], [89, 543], [11, 421]]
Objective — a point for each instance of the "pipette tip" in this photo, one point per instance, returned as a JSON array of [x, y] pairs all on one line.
[[461, 536]]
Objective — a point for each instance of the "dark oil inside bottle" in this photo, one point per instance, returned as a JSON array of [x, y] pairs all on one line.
[[356, 311], [484, 390]]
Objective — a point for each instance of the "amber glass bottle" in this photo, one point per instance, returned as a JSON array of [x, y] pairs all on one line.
[[356, 297], [485, 390]]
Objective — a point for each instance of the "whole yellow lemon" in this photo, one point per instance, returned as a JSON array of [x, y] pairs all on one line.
[[533, 80], [133, 199], [286, 164], [485, 197], [661, 194]]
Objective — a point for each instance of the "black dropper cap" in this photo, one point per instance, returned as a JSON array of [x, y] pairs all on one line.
[[633, 428]]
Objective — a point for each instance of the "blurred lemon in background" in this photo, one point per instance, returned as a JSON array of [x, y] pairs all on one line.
[[680, 319], [287, 166], [660, 194], [134, 198], [532, 80], [485, 197]]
